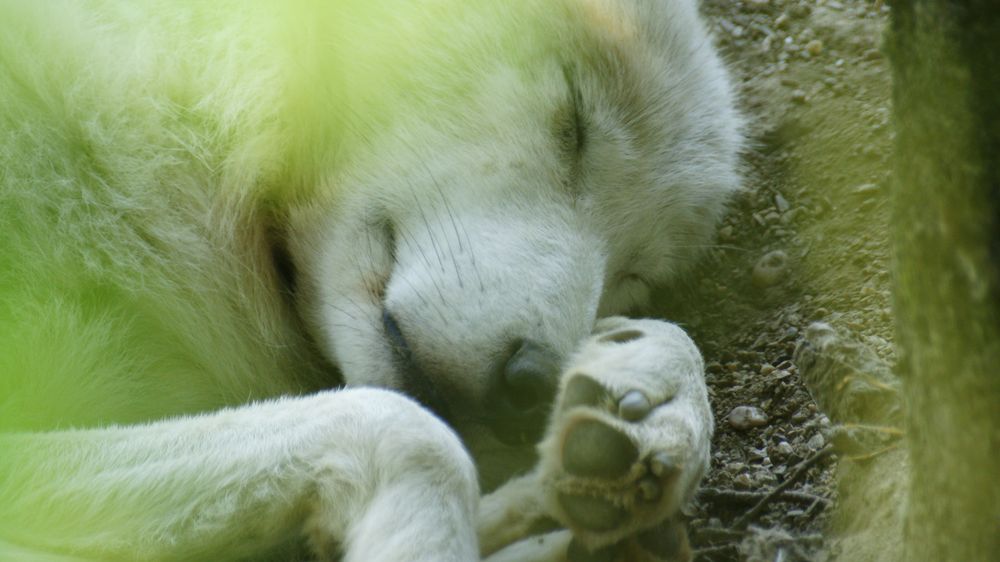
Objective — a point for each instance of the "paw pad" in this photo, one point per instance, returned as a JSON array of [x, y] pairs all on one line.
[[622, 336], [634, 406], [662, 465], [667, 541], [595, 450], [583, 391], [650, 489], [579, 553], [593, 513]]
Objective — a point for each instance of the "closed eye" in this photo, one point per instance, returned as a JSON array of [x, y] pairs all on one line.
[[576, 133], [389, 232], [571, 131], [380, 255]]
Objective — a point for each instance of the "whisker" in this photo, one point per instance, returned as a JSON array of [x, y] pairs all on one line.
[[454, 259], [404, 235], [433, 279], [341, 310], [410, 241], [424, 301], [427, 227], [454, 223]]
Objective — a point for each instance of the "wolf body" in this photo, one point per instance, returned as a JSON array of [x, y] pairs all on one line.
[[215, 215]]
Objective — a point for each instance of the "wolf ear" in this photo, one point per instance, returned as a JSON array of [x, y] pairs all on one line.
[[616, 18], [629, 19]]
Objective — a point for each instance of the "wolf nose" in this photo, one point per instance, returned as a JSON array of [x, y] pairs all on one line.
[[525, 389], [529, 378]]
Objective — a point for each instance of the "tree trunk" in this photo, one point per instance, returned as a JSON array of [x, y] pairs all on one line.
[[946, 67]]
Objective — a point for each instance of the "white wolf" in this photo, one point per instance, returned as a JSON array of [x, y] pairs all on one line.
[[214, 214]]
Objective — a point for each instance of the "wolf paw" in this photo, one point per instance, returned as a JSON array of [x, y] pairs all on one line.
[[629, 440]]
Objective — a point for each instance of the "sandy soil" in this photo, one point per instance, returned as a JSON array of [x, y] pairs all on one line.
[[806, 241]]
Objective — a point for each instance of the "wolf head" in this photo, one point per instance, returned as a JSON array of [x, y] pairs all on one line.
[[504, 173]]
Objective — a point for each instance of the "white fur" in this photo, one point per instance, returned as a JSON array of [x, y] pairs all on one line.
[[153, 154]]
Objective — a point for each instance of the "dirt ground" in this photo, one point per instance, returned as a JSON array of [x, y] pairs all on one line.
[[806, 241]]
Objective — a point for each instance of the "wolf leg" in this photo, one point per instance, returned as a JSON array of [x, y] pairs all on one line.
[[366, 473], [10, 551]]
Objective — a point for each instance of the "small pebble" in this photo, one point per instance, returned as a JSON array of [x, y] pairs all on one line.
[[726, 233], [783, 449], [745, 417], [872, 54], [799, 97], [781, 203], [801, 10], [731, 28], [816, 442], [790, 216], [814, 47], [743, 481], [770, 269], [866, 189], [764, 478], [735, 467]]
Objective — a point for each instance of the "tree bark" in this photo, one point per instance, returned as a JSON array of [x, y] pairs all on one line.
[[946, 194]]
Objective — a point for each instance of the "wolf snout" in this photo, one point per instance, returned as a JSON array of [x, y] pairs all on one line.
[[516, 400]]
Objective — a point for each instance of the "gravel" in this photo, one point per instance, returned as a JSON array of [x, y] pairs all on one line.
[[804, 242]]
